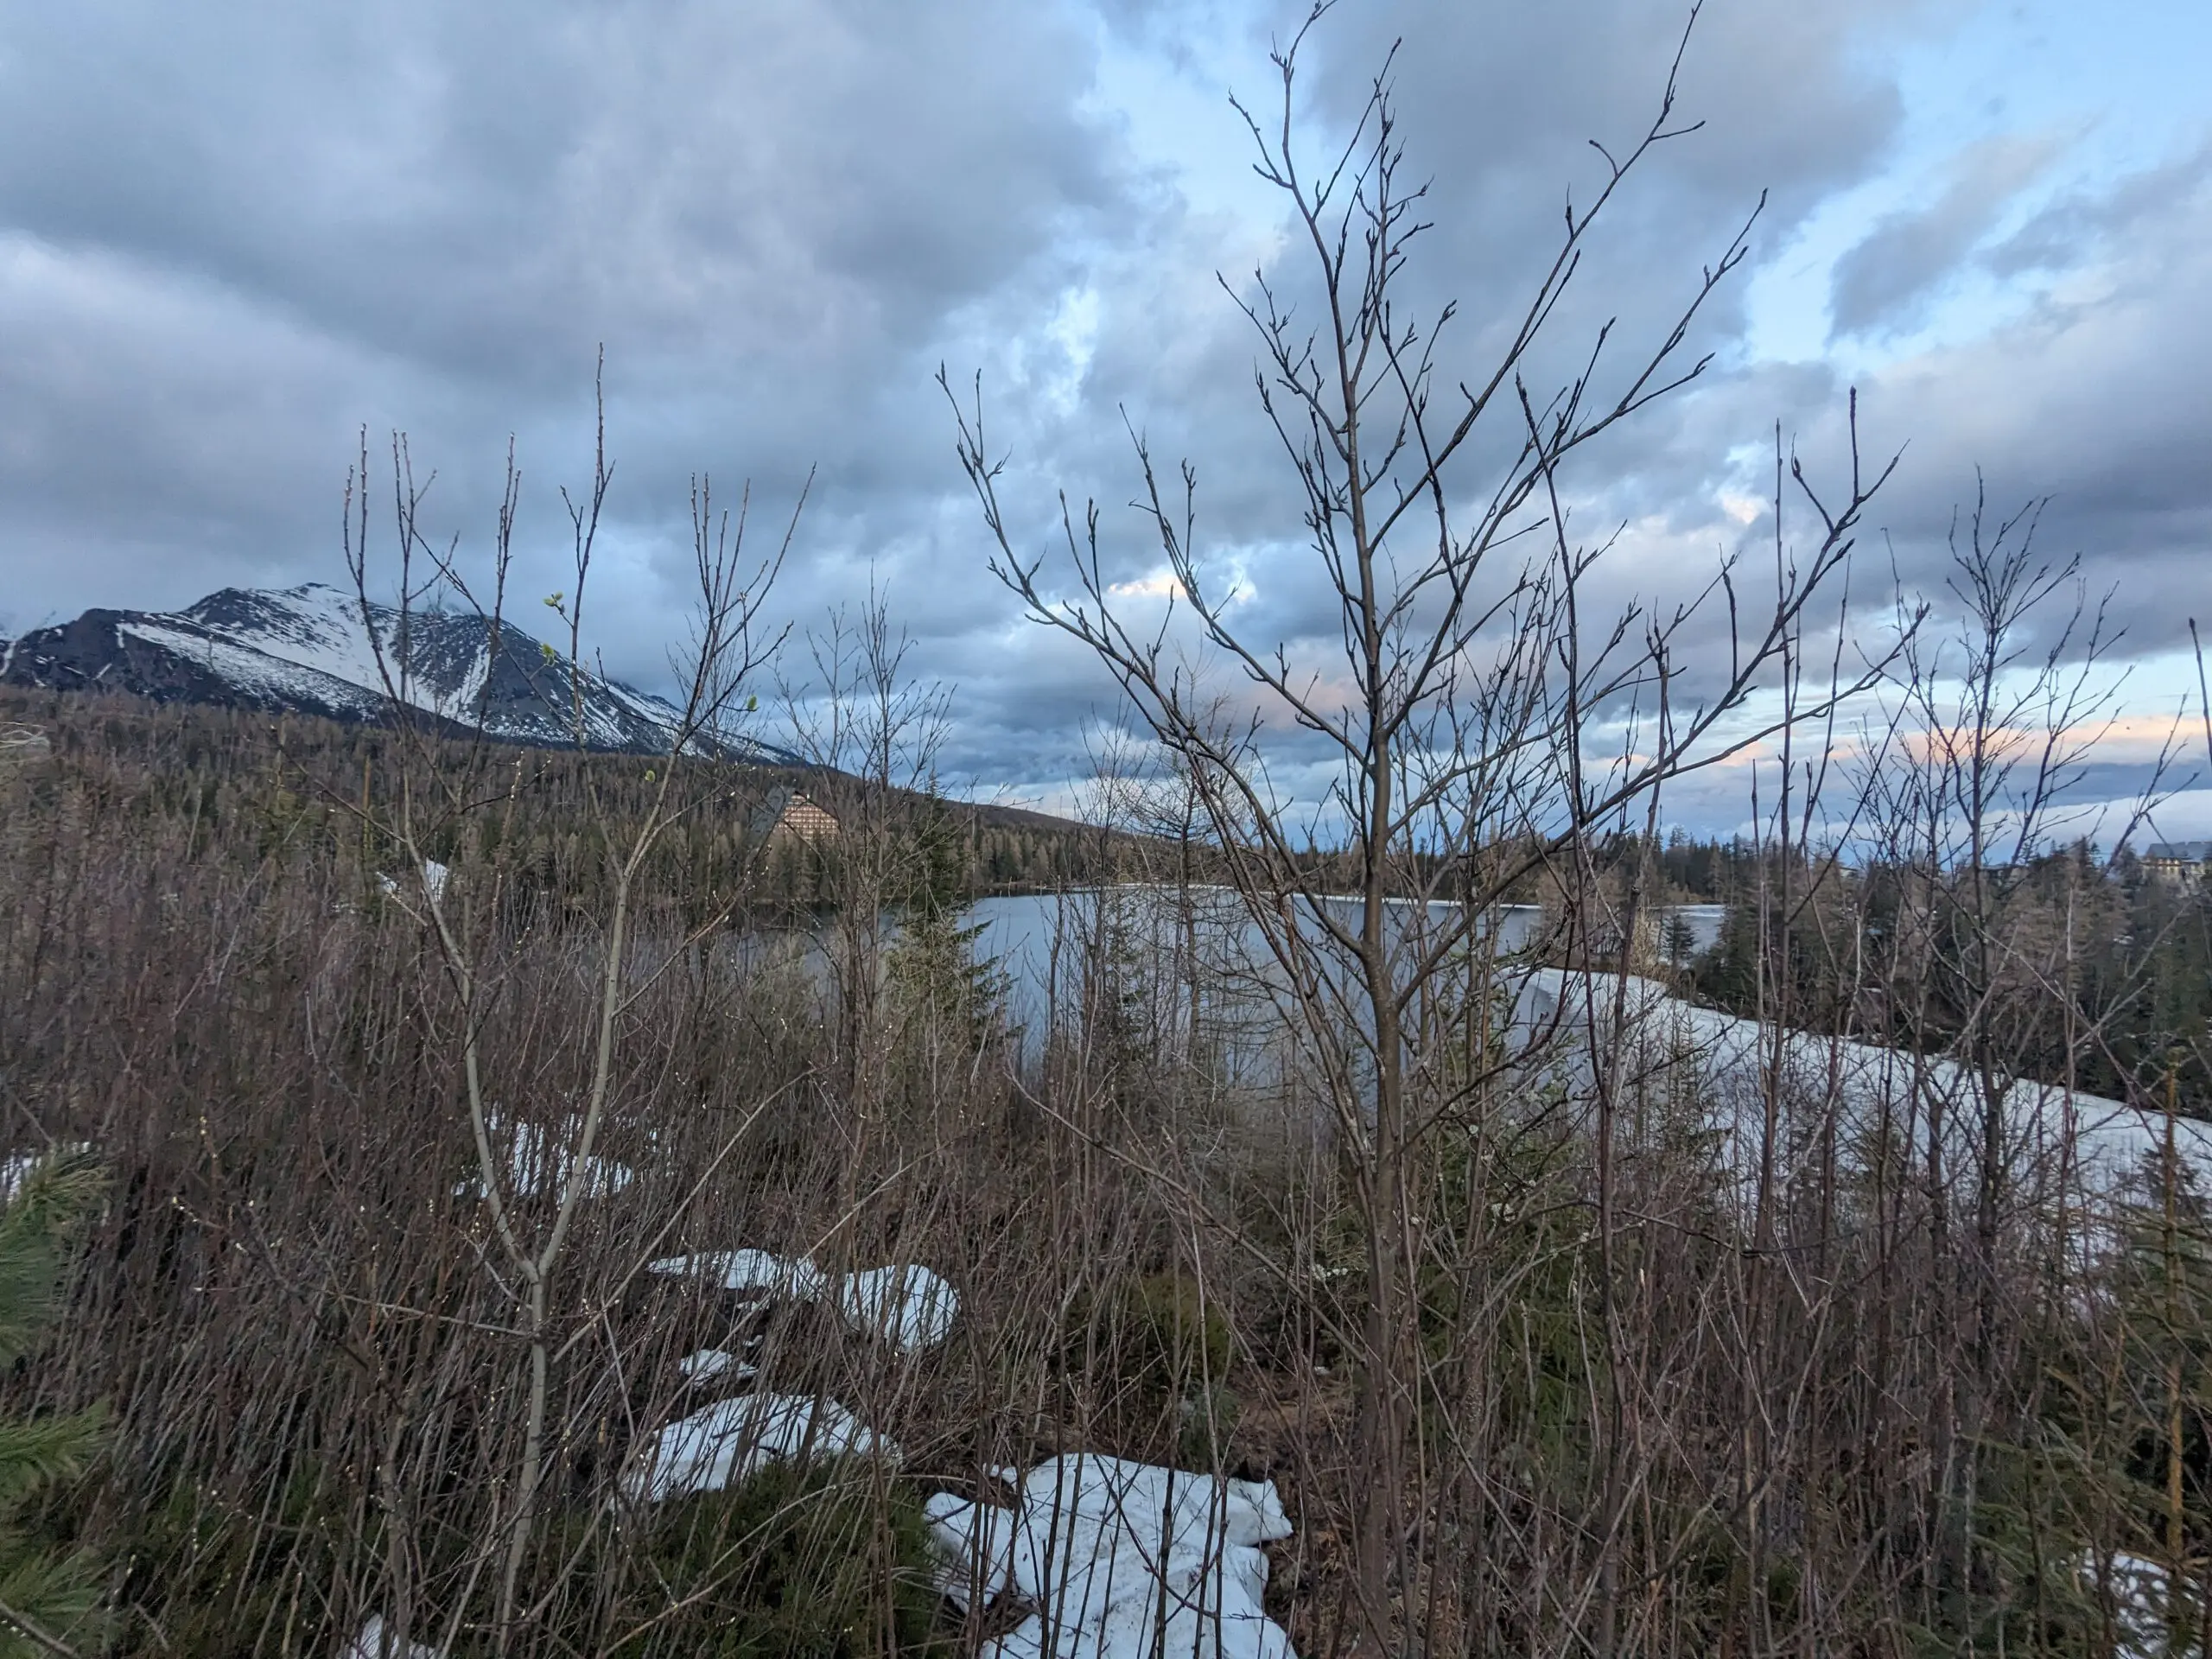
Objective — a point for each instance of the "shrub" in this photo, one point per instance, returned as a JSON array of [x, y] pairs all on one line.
[[820, 1563], [1162, 1327]]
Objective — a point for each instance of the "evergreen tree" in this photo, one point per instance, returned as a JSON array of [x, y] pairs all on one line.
[[933, 965], [49, 1601]]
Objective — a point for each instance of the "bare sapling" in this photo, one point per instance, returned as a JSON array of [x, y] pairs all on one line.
[[873, 733], [1988, 916], [1494, 723], [531, 1192]]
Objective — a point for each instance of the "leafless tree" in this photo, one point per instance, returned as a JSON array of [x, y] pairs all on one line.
[[874, 731], [1994, 721], [557, 1160], [1493, 724]]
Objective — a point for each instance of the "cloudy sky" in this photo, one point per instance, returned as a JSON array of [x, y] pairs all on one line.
[[233, 235]]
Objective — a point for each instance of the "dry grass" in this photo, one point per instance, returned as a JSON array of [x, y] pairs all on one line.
[[299, 1330]]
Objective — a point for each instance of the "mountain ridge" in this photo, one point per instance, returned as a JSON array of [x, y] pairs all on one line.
[[307, 650]]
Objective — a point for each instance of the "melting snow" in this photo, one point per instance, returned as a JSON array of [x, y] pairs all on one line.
[[1119, 1560], [1723, 1061], [733, 1439], [908, 1305], [710, 1363], [537, 1165], [434, 881], [748, 1270]]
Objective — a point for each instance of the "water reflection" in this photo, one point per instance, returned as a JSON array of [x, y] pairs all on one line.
[[1165, 957]]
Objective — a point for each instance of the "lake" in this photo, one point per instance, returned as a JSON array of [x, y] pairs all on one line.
[[1034, 941]]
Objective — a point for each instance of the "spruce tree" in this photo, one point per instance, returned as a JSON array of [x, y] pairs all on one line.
[[49, 1599]]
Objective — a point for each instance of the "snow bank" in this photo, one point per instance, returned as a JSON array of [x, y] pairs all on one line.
[[907, 1305], [1119, 1560], [1721, 1063], [733, 1439]]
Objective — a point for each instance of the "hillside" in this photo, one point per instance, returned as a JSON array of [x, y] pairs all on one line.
[[301, 774]]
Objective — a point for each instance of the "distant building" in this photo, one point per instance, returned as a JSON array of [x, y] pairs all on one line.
[[2177, 860], [788, 815]]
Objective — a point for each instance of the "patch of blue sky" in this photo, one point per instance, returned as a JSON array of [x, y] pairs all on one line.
[[1173, 101], [2118, 87]]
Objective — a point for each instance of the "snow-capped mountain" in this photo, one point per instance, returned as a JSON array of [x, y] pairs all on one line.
[[307, 650]]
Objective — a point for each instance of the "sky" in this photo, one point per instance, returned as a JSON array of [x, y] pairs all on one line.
[[234, 236]]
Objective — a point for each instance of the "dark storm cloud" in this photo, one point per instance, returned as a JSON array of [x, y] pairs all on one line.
[[473, 185], [231, 235]]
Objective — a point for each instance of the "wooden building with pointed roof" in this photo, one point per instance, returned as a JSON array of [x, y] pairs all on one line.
[[788, 815]]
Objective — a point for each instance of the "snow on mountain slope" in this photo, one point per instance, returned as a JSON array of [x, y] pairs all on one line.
[[263, 678], [310, 650], [316, 626]]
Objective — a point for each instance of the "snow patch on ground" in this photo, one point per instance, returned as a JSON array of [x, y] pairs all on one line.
[[434, 883], [709, 1364], [538, 1162], [1119, 1560], [732, 1441], [909, 1306], [906, 1304], [744, 1271]]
